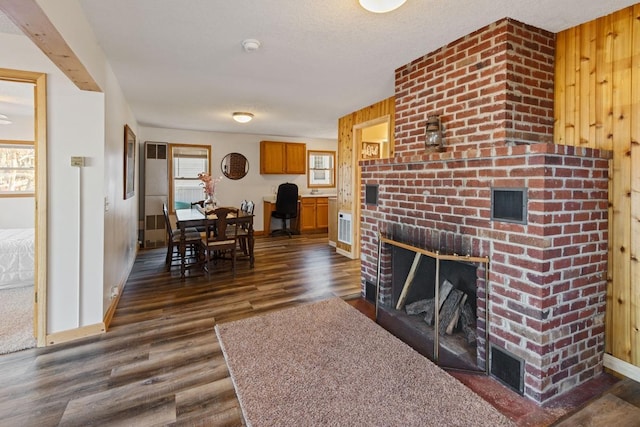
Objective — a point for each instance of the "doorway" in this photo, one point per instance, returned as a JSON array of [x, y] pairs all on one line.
[[371, 140], [23, 192]]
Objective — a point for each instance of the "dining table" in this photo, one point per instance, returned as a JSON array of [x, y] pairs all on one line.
[[196, 217]]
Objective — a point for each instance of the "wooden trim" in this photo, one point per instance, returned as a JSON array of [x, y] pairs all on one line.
[[40, 143], [170, 147], [74, 334], [348, 167], [342, 252], [15, 141], [108, 316], [41, 210], [621, 367], [436, 255], [35, 24], [15, 195]]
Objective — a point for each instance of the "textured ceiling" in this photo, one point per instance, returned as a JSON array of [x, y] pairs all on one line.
[[181, 63]]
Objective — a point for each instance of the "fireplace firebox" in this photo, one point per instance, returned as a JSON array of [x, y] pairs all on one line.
[[431, 304]]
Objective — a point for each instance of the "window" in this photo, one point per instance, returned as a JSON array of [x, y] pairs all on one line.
[[321, 171], [187, 161], [17, 168]]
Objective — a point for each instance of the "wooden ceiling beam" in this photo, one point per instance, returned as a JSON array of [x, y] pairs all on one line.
[[35, 24]]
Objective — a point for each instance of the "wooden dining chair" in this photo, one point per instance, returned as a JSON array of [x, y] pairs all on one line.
[[243, 231], [220, 239], [175, 250]]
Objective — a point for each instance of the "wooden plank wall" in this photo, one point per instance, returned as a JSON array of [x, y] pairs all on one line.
[[348, 189], [597, 105]]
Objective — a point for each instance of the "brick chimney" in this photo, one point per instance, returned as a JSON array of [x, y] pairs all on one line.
[[493, 91]]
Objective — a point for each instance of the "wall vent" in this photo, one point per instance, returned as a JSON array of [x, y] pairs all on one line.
[[344, 228], [507, 368], [509, 205]]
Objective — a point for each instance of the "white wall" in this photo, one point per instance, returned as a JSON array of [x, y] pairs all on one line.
[[253, 186], [73, 130], [116, 246], [89, 250]]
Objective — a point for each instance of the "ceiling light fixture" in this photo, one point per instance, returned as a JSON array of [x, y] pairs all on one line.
[[4, 120], [250, 45], [381, 6], [242, 117]]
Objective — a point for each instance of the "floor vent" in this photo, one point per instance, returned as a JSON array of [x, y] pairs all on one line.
[[508, 369], [370, 291], [344, 228]]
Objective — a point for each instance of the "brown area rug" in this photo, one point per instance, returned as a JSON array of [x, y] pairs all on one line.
[[328, 364]]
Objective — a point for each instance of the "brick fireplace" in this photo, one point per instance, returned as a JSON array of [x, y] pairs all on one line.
[[493, 90]]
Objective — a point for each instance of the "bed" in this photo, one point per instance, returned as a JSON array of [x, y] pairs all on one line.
[[16, 257]]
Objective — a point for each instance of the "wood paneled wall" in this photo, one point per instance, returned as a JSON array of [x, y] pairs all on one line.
[[348, 187], [597, 105]]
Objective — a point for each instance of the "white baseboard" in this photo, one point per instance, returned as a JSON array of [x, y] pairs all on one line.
[[622, 367]]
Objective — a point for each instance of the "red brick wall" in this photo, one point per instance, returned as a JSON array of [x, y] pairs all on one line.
[[547, 277], [492, 87]]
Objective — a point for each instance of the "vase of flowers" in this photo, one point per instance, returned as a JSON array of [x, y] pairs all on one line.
[[209, 188]]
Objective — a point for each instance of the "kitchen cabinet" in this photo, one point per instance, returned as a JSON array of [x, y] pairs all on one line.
[[278, 157], [314, 214], [269, 205]]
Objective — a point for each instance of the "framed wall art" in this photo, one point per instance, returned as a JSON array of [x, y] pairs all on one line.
[[129, 162], [370, 150]]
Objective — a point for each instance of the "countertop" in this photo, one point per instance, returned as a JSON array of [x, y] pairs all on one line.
[[272, 198]]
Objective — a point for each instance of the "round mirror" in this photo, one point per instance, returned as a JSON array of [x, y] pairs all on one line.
[[235, 166]]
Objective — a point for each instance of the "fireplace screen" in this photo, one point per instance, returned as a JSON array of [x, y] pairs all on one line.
[[431, 304]]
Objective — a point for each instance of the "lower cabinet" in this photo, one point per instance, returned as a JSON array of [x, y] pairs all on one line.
[[314, 214]]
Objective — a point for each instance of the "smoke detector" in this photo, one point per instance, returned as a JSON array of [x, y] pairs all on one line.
[[250, 45]]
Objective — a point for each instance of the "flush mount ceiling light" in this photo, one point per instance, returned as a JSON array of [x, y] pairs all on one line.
[[250, 45], [242, 117], [4, 120], [381, 6]]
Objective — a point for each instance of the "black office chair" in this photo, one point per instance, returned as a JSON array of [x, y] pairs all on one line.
[[286, 208]]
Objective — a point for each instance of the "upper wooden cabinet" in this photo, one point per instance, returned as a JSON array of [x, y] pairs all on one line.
[[283, 157]]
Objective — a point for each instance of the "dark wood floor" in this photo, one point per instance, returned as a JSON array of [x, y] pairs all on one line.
[[160, 362]]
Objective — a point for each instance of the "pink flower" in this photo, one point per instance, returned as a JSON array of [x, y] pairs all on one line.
[[208, 183]]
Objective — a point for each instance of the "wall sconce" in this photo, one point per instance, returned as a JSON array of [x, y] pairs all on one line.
[[433, 133]]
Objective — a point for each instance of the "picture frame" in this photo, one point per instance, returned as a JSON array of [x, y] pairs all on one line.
[[129, 162], [370, 150]]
